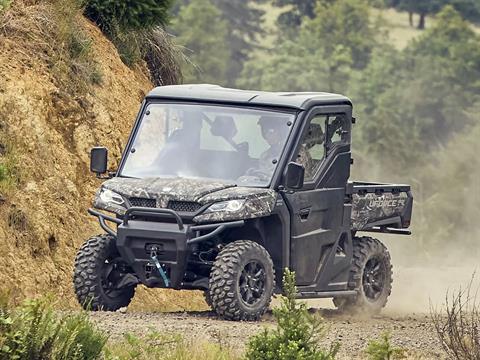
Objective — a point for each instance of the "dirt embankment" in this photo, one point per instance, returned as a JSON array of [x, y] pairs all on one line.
[[47, 126]]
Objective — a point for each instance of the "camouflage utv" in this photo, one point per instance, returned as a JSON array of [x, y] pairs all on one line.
[[219, 190]]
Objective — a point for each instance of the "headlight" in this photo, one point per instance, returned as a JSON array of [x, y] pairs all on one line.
[[227, 206], [109, 197]]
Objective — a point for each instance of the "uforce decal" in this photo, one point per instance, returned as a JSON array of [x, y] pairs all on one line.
[[372, 207], [386, 202]]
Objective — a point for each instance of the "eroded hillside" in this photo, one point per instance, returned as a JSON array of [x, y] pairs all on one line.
[[63, 89]]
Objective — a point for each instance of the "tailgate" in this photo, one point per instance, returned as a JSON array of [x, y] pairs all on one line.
[[381, 205]]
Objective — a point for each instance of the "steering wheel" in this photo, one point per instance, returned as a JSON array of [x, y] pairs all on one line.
[[260, 174]]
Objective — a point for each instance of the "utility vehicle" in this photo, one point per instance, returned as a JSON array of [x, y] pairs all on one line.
[[221, 189]]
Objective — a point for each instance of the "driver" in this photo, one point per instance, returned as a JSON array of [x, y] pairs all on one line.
[[273, 135]]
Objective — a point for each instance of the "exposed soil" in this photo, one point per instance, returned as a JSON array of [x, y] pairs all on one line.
[[414, 333]]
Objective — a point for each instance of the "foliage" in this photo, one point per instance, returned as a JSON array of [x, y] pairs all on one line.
[[155, 46], [202, 31], [4, 5], [415, 100], [458, 323], [34, 331], [122, 16], [382, 349], [297, 332], [470, 9], [321, 56], [296, 11], [444, 215], [136, 28], [241, 25], [72, 61], [168, 347]]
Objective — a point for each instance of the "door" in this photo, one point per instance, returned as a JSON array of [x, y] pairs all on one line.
[[320, 242]]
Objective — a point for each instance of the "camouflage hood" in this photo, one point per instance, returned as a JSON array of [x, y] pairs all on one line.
[[258, 201], [164, 189]]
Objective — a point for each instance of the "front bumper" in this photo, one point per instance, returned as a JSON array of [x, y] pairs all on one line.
[[139, 241]]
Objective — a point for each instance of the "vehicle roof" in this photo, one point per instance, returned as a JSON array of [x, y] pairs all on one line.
[[216, 93]]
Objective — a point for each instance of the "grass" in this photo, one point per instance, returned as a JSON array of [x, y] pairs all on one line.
[[4, 5], [10, 172], [400, 33], [73, 63], [165, 347], [35, 331]]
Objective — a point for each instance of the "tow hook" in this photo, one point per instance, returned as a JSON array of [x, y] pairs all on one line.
[[162, 272]]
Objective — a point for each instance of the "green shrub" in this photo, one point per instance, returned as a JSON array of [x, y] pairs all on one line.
[[126, 15], [382, 349], [35, 331], [297, 332], [4, 4]]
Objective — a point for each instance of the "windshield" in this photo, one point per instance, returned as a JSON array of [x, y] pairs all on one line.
[[239, 145]]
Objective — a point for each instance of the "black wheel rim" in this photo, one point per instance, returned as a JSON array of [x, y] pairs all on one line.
[[374, 276], [252, 283], [113, 272]]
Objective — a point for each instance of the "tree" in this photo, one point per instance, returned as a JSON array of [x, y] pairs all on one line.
[[321, 55], [470, 9], [414, 101], [202, 31], [297, 10], [243, 23]]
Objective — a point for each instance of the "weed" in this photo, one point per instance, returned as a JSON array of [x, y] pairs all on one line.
[[458, 324], [35, 331], [9, 169], [382, 349], [4, 5], [169, 347]]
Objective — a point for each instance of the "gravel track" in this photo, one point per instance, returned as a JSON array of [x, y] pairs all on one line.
[[414, 333]]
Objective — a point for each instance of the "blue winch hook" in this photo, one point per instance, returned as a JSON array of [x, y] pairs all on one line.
[[160, 270]]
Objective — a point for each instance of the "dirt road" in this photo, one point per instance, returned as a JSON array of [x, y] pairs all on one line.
[[414, 333]]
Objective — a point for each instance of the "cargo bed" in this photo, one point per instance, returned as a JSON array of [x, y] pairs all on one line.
[[380, 207]]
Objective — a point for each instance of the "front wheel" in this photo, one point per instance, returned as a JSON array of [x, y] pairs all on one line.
[[242, 281], [101, 279], [371, 272]]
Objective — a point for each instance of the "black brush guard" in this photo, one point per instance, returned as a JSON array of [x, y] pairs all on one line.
[[142, 244]]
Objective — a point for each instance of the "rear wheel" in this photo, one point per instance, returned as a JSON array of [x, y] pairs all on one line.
[[101, 279], [371, 274], [242, 281]]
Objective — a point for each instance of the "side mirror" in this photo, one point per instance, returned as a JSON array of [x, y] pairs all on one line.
[[98, 160], [294, 176]]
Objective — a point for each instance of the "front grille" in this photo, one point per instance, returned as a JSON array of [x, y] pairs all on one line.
[[143, 202], [184, 206]]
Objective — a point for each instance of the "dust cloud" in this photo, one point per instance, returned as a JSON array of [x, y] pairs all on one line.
[[420, 285]]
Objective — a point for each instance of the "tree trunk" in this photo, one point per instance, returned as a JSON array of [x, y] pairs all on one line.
[[410, 18], [421, 22]]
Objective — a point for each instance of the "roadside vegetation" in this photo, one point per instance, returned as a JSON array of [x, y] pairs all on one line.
[[458, 324], [382, 349], [36, 330], [297, 333], [137, 29]]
